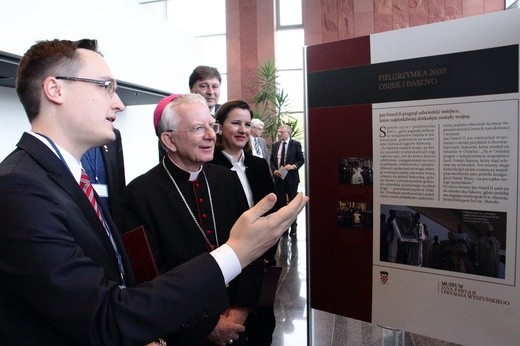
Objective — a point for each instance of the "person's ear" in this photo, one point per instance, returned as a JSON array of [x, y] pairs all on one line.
[[168, 141], [52, 89]]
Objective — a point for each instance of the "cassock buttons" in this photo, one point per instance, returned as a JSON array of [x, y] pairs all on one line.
[[213, 246], [209, 232], [201, 199], [204, 215]]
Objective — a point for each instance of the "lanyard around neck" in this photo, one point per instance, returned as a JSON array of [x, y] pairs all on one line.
[[55, 147]]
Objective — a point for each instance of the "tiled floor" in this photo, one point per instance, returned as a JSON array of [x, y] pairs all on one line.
[[328, 329], [291, 298]]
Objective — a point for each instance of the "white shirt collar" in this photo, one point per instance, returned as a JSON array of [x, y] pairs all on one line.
[[240, 168], [70, 161], [233, 160]]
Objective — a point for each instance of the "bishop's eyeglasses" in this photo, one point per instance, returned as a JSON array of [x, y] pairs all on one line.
[[199, 130]]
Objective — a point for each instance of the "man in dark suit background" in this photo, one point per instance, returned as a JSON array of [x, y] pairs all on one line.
[[65, 277], [286, 159], [105, 166], [206, 81]]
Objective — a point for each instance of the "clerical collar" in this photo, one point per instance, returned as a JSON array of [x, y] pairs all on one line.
[[193, 175]]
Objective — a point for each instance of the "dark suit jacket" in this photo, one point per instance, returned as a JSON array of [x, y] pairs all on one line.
[[217, 106], [293, 156], [152, 200], [59, 280], [115, 173], [260, 181]]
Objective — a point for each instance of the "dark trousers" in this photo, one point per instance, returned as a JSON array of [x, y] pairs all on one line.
[[285, 193]]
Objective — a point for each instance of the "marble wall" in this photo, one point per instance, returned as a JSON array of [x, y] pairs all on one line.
[[250, 40], [251, 26], [333, 20]]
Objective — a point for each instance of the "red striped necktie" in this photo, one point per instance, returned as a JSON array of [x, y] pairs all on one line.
[[88, 189], [86, 186]]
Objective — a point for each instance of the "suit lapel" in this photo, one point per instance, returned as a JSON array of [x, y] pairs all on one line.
[[251, 169], [276, 148], [60, 174], [222, 160]]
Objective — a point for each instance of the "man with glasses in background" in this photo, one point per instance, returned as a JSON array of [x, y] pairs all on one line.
[[187, 207], [286, 159]]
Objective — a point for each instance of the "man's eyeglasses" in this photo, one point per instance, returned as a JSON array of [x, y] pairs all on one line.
[[200, 130], [109, 84]]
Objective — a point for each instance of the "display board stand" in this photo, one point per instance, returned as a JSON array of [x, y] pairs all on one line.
[[413, 175]]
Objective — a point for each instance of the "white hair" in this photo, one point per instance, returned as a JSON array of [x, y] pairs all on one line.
[[170, 118], [255, 122]]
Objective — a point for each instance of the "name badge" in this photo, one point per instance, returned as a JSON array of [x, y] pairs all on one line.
[[101, 189]]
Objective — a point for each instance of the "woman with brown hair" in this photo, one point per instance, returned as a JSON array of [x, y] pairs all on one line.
[[233, 150]]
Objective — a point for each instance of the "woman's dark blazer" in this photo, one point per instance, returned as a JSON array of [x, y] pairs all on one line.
[[260, 181]]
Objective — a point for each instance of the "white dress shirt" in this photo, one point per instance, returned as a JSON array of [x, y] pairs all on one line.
[[240, 168], [279, 154]]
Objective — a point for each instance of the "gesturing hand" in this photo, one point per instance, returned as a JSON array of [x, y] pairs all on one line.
[[252, 234]]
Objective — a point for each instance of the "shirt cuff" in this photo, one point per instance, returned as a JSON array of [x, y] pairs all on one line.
[[228, 262]]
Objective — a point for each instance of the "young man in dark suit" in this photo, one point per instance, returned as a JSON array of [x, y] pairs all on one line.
[[286, 158], [65, 277]]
